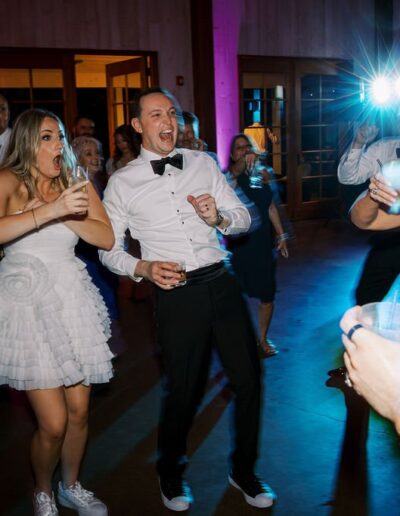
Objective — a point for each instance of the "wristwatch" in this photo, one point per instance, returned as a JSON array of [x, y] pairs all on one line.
[[220, 218]]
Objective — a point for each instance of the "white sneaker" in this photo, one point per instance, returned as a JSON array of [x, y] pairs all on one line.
[[256, 492], [175, 493], [43, 505], [83, 501]]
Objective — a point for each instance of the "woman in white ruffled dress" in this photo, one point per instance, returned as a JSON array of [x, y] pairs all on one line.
[[54, 325]]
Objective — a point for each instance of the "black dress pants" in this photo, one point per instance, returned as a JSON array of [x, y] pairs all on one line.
[[381, 268], [190, 320]]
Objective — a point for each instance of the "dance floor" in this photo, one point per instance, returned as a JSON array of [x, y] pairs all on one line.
[[317, 464]]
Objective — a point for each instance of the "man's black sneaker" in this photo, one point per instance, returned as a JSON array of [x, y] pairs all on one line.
[[256, 492], [175, 493]]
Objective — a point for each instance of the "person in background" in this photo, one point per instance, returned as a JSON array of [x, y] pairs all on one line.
[[361, 163], [5, 131], [83, 126], [88, 152], [174, 201], [54, 326], [189, 135], [373, 365], [127, 148], [370, 211], [253, 253]]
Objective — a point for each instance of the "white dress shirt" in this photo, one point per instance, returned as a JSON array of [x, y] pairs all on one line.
[[358, 165], [4, 140], [155, 210]]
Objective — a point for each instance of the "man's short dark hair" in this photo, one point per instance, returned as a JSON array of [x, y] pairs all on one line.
[[3, 97], [136, 105]]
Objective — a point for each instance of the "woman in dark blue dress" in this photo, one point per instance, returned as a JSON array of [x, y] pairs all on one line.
[[254, 253]]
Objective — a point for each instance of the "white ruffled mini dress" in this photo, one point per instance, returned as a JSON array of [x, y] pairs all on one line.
[[54, 325]]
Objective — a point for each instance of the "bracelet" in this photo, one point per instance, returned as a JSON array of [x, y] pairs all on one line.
[[282, 237], [220, 218], [34, 219], [369, 195]]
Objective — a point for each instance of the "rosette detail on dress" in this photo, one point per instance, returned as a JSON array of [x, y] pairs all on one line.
[[24, 280]]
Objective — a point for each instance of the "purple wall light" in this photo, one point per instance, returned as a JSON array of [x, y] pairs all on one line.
[[227, 15]]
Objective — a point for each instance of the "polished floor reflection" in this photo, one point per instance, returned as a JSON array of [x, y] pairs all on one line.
[[314, 453]]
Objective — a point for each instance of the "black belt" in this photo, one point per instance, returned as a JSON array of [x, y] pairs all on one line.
[[204, 274]]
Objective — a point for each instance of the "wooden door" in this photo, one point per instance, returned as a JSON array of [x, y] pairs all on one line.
[[124, 80], [323, 108], [305, 103]]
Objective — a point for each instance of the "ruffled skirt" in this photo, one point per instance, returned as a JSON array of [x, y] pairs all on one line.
[[54, 325]]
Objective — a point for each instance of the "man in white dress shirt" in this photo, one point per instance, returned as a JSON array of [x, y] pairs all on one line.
[[174, 202], [5, 131]]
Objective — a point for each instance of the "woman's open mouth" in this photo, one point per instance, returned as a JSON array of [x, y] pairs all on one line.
[[57, 162]]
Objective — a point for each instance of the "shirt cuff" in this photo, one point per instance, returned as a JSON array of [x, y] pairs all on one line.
[[225, 230], [130, 264]]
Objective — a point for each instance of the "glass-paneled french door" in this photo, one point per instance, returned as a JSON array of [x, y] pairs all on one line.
[[305, 109]]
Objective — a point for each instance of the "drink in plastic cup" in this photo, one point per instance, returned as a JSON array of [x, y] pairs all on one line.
[[382, 318], [256, 176], [78, 174], [391, 173], [182, 272]]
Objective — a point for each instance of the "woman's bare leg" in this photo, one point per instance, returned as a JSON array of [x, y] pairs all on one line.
[[50, 410], [265, 311], [77, 400]]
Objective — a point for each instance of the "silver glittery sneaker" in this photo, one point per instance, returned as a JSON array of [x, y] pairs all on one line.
[[83, 501], [43, 505]]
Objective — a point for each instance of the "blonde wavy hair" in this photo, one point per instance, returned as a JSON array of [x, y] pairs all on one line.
[[23, 148]]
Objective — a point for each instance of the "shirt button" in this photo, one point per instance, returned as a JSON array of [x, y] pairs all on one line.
[[177, 211], [172, 193]]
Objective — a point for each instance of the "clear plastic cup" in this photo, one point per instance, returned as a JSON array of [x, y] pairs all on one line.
[[182, 272], [382, 318], [391, 173], [256, 176]]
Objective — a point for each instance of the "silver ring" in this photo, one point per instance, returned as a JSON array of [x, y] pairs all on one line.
[[374, 190]]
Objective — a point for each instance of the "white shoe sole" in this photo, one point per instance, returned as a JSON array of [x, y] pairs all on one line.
[[177, 505], [81, 511], [261, 503], [181, 503]]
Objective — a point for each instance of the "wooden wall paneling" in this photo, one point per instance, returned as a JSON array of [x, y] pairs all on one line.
[[310, 28], [203, 68], [134, 25]]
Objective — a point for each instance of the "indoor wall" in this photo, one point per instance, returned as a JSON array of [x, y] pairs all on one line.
[[120, 25]]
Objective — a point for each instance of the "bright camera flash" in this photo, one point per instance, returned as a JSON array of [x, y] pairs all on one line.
[[380, 90]]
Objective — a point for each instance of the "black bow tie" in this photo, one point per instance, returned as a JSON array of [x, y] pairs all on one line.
[[159, 164]]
